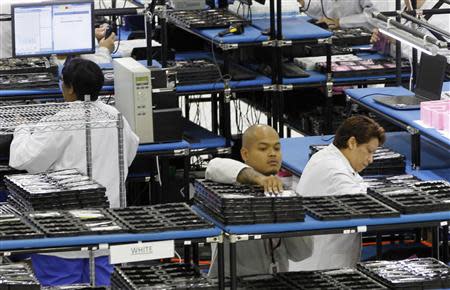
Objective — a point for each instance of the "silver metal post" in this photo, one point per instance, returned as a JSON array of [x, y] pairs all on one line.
[[122, 190], [87, 100], [92, 268]]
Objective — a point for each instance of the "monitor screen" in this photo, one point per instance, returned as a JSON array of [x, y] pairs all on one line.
[[46, 28]]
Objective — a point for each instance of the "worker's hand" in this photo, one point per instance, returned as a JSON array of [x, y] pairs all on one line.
[[272, 184], [375, 36], [332, 23], [100, 32], [301, 3], [108, 42]]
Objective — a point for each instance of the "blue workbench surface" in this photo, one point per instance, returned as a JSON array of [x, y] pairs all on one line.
[[295, 28], [200, 138], [296, 151], [365, 96], [250, 35], [158, 147], [107, 239]]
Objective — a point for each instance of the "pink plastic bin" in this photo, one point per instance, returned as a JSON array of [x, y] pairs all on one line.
[[435, 114]]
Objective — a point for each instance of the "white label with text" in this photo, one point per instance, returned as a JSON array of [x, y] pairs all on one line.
[[141, 252]]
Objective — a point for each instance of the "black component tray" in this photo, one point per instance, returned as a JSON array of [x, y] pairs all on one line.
[[161, 276], [159, 218], [77, 222], [25, 65], [30, 80], [212, 18], [18, 276], [15, 227], [338, 207], [409, 200], [341, 279], [421, 273], [244, 204], [351, 36]]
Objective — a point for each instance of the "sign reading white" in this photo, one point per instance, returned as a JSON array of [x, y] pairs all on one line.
[[141, 252]]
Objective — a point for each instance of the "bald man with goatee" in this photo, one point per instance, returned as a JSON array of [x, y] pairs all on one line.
[[261, 152]]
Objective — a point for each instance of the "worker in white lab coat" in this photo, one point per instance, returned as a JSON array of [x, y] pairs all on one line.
[[339, 13], [102, 52], [334, 171], [41, 151], [261, 151]]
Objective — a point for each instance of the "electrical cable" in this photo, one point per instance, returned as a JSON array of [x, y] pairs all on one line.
[[307, 7], [323, 10]]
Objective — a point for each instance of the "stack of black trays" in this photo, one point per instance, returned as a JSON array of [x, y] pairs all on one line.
[[15, 227], [64, 189], [159, 218], [212, 18], [17, 277], [338, 207], [385, 161], [162, 276], [421, 273], [419, 197], [342, 279], [76, 222], [27, 73], [244, 204], [196, 71]]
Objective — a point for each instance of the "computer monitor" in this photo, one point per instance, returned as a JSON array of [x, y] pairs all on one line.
[[59, 27]]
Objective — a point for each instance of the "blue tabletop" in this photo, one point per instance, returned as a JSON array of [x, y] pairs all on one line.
[[446, 87], [408, 117], [295, 28], [201, 138], [296, 151], [107, 239], [311, 224], [250, 35], [158, 147]]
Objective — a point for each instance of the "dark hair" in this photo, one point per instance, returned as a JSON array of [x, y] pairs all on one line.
[[84, 76], [362, 128]]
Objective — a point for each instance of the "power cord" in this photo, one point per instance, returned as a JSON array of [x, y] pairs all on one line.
[[307, 7], [323, 10]]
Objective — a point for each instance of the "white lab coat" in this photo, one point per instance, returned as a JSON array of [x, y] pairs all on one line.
[[101, 55], [38, 152], [253, 257], [328, 172], [351, 13]]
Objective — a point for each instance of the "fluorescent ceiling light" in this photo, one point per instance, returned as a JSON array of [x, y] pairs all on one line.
[[409, 40]]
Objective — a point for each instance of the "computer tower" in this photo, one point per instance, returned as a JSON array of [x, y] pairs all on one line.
[[133, 96]]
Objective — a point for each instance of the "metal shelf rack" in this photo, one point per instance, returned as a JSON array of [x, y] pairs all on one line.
[[68, 116]]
